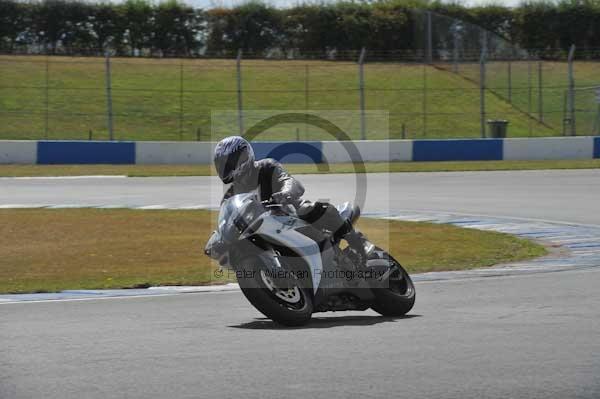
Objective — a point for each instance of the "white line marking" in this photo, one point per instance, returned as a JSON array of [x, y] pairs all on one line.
[[22, 206], [64, 206], [198, 288], [508, 218], [64, 177], [96, 298], [192, 207], [107, 206]]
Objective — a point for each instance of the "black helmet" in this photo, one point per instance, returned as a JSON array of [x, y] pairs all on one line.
[[234, 156]]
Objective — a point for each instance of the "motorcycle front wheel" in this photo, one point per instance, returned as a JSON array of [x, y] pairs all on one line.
[[396, 295], [287, 306]]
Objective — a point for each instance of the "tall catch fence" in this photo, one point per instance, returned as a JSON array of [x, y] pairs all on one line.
[[456, 78]]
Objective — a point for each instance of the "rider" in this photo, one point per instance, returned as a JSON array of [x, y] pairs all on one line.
[[235, 165]]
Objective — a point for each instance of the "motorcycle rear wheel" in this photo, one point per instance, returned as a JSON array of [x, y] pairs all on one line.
[[289, 307]]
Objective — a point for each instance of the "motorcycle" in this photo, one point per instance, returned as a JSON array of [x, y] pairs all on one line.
[[288, 269]]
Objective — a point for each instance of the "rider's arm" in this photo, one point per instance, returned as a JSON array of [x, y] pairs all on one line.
[[276, 183], [288, 186]]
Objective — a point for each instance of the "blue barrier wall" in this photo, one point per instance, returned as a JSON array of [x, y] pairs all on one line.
[[458, 150], [85, 152], [103, 152], [290, 152]]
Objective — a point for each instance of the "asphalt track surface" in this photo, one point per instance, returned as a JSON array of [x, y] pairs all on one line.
[[529, 336], [569, 196]]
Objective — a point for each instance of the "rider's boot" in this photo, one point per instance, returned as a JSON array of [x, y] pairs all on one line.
[[356, 244], [324, 215]]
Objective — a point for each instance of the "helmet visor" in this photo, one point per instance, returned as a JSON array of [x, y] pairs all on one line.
[[227, 165]]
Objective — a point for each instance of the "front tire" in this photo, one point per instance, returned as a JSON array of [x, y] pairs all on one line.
[[289, 307], [397, 295]]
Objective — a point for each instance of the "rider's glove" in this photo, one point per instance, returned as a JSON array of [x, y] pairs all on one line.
[[281, 198]]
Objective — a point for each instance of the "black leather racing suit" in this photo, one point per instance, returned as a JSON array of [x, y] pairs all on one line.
[[268, 177]]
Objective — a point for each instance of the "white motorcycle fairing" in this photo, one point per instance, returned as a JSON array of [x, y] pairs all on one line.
[[282, 230], [276, 228]]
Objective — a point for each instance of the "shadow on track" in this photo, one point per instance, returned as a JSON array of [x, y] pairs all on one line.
[[322, 322]]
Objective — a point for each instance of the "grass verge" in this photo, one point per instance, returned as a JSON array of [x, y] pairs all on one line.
[[371, 167], [47, 250], [171, 99]]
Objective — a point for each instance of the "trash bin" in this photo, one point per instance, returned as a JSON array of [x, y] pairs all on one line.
[[497, 128]]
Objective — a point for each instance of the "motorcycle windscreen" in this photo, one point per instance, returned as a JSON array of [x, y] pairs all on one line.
[[241, 206]]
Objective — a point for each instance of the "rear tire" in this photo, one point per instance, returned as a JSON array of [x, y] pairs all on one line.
[[397, 296], [289, 307]]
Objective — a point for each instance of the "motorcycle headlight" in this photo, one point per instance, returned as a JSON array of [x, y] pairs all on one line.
[[240, 223], [251, 212]]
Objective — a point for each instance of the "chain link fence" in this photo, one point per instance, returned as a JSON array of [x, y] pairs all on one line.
[[458, 77]]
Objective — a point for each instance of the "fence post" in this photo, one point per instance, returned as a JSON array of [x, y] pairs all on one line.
[[424, 109], [482, 89], [529, 93], [306, 100], [47, 98], [540, 92], [571, 98], [510, 81], [109, 110], [455, 52], [565, 112], [239, 92], [484, 41], [361, 86], [596, 126], [429, 38], [180, 100]]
